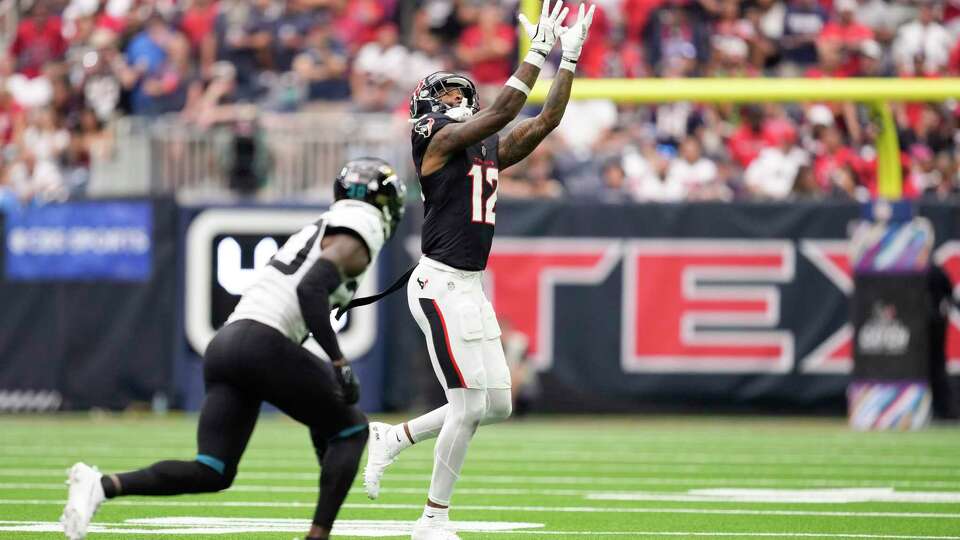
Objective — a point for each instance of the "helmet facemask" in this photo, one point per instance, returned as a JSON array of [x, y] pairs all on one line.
[[426, 97]]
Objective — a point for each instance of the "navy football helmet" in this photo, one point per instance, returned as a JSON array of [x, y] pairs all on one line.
[[375, 182], [426, 96]]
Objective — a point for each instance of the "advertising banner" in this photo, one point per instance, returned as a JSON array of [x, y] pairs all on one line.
[[80, 241], [89, 299], [698, 305]]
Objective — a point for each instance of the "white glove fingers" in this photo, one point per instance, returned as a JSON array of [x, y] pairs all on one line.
[[545, 9], [524, 21], [563, 15], [557, 8], [590, 14], [580, 13]]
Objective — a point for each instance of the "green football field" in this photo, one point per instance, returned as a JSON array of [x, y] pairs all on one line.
[[583, 477]]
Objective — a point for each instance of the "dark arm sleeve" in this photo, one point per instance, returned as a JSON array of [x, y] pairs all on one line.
[[313, 294]]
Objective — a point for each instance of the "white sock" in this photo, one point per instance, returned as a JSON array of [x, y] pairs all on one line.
[[428, 425], [466, 410], [436, 514]]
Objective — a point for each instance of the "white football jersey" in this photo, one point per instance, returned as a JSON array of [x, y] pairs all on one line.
[[272, 298]]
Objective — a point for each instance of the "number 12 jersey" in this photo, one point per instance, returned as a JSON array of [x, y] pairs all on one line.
[[459, 199]]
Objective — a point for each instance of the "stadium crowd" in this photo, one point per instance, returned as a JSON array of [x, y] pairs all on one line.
[[74, 65]]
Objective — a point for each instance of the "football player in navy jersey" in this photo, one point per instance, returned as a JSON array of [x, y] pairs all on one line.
[[257, 356], [458, 155]]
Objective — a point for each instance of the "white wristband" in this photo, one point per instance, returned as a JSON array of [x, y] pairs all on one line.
[[517, 84], [535, 58], [570, 65]]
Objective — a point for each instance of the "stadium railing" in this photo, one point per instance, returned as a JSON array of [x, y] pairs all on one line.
[[296, 154]]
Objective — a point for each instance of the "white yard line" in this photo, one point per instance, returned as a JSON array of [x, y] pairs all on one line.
[[750, 496], [643, 456], [484, 508], [506, 467], [689, 534], [250, 473]]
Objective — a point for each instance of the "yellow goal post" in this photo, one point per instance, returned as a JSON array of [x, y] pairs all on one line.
[[877, 93]]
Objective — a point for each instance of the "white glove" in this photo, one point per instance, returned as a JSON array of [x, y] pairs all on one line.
[[572, 38], [544, 34]]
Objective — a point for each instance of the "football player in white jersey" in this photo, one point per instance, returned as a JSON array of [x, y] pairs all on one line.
[[257, 356]]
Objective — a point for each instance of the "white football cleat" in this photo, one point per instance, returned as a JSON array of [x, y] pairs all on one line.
[[85, 496], [427, 529], [381, 452]]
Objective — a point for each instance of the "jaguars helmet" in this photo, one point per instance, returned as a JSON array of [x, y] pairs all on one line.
[[375, 182], [426, 96]]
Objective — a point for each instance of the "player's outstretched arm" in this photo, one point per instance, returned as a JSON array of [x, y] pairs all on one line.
[[343, 255], [526, 135], [512, 97]]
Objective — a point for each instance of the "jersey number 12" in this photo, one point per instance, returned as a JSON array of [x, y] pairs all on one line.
[[483, 211]]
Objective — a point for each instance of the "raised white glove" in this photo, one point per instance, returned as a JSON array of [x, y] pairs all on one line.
[[572, 38], [544, 34]]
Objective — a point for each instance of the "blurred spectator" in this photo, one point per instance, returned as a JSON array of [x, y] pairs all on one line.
[[747, 141], [674, 41], [693, 173], [923, 45], [805, 185], [356, 21], [884, 16], [103, 74], [12, 117], [845, 36], [425, 57], [378, 70], [43, 138], [146, 54], [873, 61], [645, 170], [923, 177], [803, 22], [615, 188], [244, 37], [172, 84], [323, 65], [845, 183], [35, 180], [831, 154], [486, 48], [773, 173], [532, 177], [198, 23], [94, 141], [291, 29], [38, 41]]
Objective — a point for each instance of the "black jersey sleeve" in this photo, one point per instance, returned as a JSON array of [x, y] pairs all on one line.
[[423, 131]]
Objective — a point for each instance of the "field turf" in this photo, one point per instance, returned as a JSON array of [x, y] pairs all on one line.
[[583, 477]]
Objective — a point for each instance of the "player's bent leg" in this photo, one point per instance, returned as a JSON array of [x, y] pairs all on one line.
[[464, 413], [339, 465], [386, 443]]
